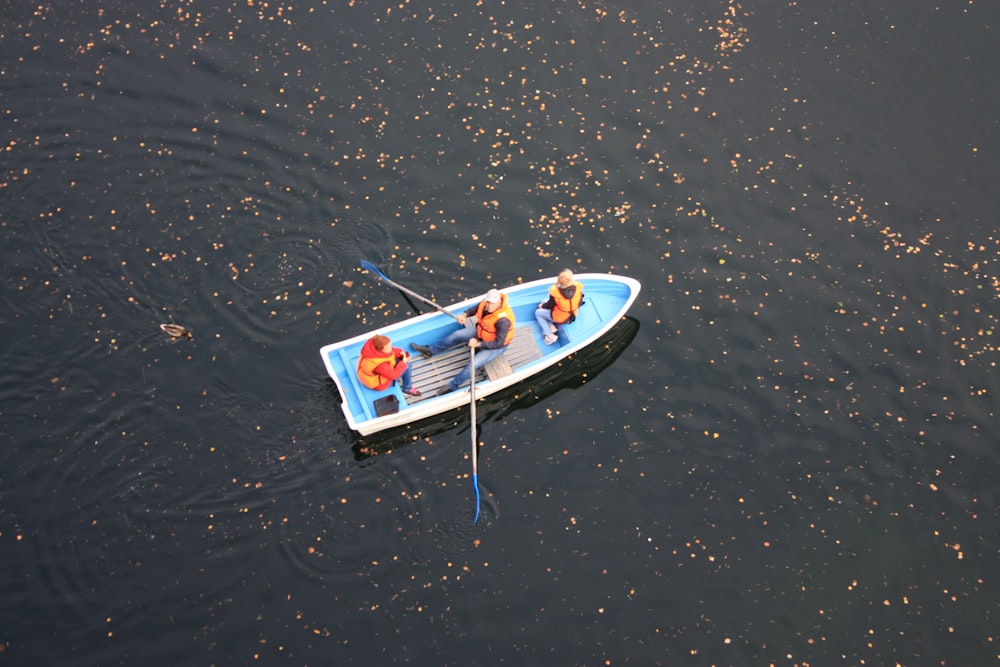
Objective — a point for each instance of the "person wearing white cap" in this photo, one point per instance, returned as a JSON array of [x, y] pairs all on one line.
[[493, 331]]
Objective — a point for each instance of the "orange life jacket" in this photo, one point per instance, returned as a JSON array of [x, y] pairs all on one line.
[[565, 309], [486, 323], [369, 360]]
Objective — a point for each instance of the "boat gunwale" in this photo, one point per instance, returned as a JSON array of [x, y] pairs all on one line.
[[436, 405]]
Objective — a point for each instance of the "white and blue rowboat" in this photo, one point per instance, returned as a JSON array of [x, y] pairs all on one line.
[[606, 300]]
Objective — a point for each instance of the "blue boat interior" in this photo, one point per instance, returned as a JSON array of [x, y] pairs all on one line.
[[601, 301]]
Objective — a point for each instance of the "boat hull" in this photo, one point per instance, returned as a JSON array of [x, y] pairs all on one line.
[[606, 300]]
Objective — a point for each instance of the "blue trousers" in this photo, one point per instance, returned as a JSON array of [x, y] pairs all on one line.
[[406, 379], [544, 318], [454, 338], [482, 356], [459, 337]]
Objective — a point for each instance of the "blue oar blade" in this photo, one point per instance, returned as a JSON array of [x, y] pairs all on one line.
[[475, 483], [368, 266]]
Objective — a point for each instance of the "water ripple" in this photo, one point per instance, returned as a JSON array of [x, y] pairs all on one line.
[[354, 531]]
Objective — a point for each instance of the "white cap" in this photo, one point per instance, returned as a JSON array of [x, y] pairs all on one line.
[[493, 296]]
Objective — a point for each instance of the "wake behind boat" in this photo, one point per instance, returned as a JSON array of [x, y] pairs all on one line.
[[606, 300]]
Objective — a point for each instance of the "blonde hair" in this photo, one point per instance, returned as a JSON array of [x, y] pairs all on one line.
[[565, 278]]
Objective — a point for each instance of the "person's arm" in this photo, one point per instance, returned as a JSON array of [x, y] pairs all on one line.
[[469, 312], [569, 293], [391, 371]]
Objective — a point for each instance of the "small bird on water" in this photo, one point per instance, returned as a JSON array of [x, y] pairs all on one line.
[[176, 331]]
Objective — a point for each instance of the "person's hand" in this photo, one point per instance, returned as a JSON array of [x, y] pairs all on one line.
[[461, 319], [474, 342]]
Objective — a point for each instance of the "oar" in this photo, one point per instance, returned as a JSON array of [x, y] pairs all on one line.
[[472, 411], [368, 266]]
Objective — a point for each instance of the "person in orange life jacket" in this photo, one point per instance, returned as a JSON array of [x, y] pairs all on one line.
[[380, 364], [493, 331], [564, 302]]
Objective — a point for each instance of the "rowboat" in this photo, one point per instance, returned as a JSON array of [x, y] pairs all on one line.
[[607, 298]]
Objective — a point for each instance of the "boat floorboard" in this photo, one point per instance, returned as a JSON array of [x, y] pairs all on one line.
[[430, 375]]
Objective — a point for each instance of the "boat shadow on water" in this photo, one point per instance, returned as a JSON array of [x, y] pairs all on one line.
[[572, 372]]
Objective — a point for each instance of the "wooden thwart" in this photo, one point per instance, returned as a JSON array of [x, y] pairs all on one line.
[[497, 368], [430, 375]]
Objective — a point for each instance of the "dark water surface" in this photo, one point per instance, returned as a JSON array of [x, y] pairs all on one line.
[[793, 462]]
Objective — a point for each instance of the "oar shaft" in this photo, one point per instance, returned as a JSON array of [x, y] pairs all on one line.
[[371, 267], [475, 437], [421, 298]]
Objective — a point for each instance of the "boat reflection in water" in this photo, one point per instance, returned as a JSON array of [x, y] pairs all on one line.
[[574, 371]]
